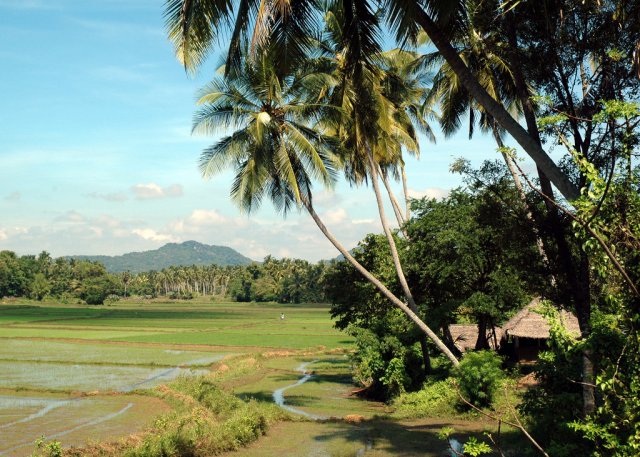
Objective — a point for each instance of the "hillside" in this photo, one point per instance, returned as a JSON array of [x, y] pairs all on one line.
[[171, 254]]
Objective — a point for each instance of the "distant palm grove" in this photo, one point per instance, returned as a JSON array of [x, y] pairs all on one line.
[[70, 280]]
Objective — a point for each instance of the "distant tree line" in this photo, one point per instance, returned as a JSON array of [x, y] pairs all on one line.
[[37, 277], [67, 279]]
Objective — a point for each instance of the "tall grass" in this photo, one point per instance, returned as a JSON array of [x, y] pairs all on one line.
[[206, 421]]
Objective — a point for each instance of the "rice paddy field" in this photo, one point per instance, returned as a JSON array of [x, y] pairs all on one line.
[[78, 373], [88, 374]]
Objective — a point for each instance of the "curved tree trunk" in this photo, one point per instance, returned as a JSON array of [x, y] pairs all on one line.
[[394, 251], [495, 109], [394, 203], [381, 287], [405, 190]]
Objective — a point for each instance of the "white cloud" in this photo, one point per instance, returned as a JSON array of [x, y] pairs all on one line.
[[3, 235], [334, 216], [429, 192], [206, 217], [153, 190], [152, 235]]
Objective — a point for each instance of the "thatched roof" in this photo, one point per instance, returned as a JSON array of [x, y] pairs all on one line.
[[465, 336], [528, 323]]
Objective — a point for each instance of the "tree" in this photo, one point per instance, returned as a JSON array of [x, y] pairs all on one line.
[[40, 286], [276, 151], [193, 26]]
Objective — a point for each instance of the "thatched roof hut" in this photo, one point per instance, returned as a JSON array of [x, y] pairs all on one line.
[[528, 323], [465, 336]]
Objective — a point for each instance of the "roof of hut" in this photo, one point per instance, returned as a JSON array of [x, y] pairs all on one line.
[[528, 323], [465, 336]]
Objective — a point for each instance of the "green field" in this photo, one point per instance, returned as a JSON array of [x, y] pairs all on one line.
[[67, 370], [82, 374], [211, 324]]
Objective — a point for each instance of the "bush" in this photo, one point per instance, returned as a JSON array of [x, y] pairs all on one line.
[[207, 421], [479, 376], [436, 399]]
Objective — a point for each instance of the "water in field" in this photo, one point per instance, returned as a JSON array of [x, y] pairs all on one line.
[[44, 387], [85, 378], [58, 351], [73, 420]]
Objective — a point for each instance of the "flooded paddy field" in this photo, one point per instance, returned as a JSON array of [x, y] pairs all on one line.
[[85, 373], [73, 420]]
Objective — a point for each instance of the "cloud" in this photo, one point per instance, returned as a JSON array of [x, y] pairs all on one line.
[[153, 191], [74, 232], [430, 192], [334, 216], [13, 197], [152, 235], [112, 197]]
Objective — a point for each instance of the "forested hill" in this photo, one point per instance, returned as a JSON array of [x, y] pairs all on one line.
[[171, 254]]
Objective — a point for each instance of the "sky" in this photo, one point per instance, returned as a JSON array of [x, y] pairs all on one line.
[[97, 156]]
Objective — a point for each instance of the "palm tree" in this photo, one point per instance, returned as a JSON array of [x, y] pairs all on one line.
[[483, 52], [280, 147], [193, 26]]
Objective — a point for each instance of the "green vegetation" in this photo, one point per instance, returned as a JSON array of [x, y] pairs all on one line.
[[479, 376], [309, 93], [206, 421]]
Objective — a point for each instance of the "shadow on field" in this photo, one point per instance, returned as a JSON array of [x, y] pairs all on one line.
[[263, 396], [417, 438]]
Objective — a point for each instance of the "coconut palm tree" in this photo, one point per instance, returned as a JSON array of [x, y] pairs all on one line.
[[281, 145], [193, 26], [483, 50]]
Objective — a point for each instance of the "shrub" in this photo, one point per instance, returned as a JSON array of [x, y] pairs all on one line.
[[479, 375], [435, 399], [207, 421]]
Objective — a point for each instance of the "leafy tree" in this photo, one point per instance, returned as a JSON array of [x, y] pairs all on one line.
[[40, 286], [474, 255]]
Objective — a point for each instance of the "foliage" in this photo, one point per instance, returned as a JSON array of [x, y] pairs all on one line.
[[385, 365], [43, 449], [473, 447], [434, 399], [479, 376], [207, 421], [472, 255]]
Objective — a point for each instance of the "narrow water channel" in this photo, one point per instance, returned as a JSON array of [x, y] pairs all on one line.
[[278, 395]]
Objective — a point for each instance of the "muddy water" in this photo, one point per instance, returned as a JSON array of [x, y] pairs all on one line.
[[278, 395]]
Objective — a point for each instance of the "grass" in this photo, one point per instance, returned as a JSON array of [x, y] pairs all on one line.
[[215, 324]]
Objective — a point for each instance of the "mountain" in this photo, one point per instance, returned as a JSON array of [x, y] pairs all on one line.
[[171, 254]]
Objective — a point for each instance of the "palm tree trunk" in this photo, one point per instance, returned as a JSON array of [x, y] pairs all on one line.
[[381, 287], [394, 203], [576, 272], [496, 110], [523, 198], [394, 253], [405, 191]]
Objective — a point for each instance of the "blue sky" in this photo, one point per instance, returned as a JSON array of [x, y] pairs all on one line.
[[96, 155]]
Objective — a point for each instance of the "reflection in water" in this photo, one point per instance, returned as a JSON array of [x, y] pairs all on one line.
[[19, 402]]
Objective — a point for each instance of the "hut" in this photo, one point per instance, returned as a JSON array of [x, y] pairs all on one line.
[[526, 333], [465, 336]]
